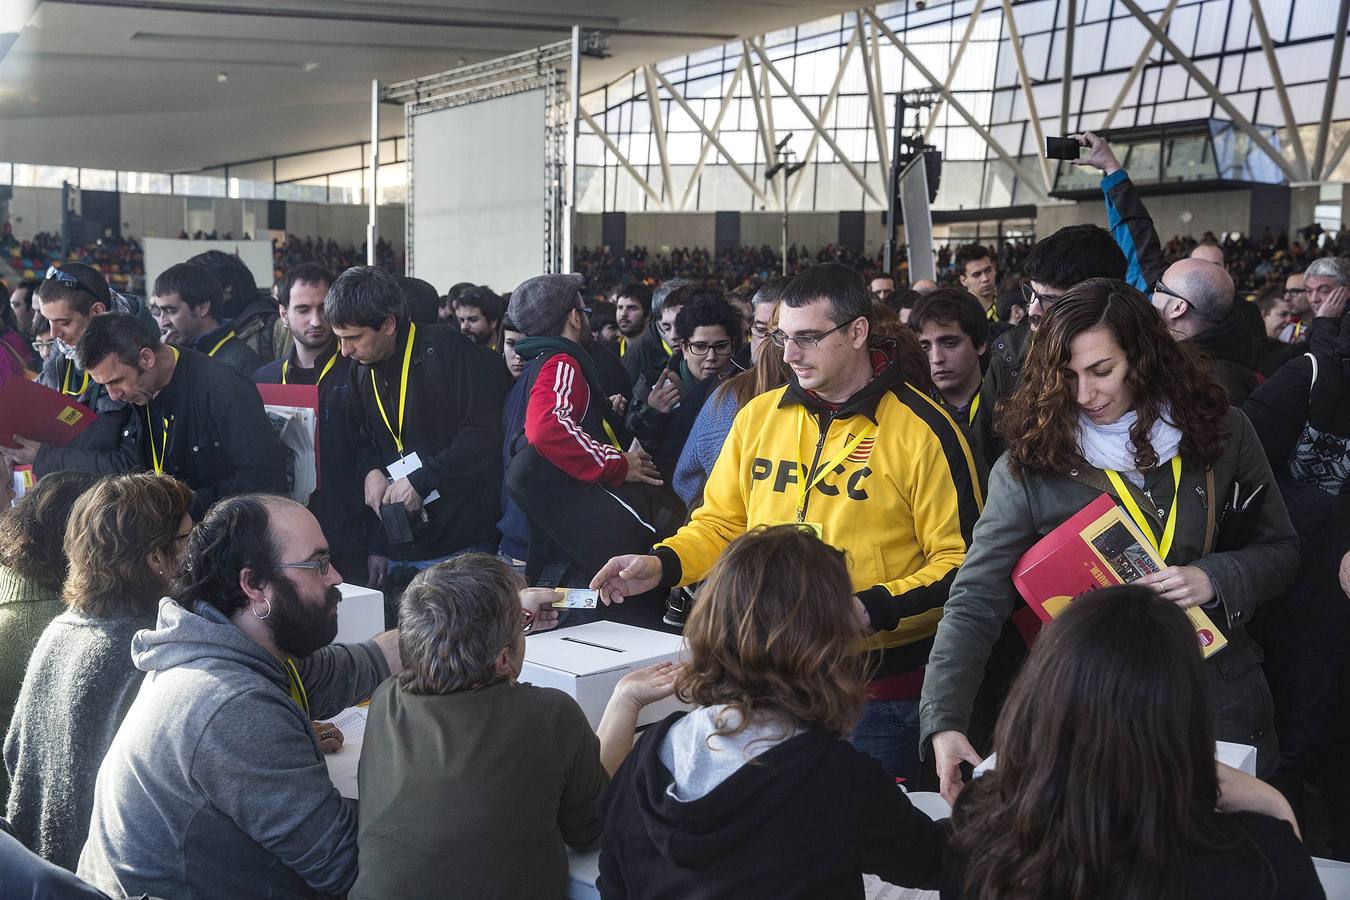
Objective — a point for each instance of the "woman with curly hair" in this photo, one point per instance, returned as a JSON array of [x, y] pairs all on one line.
[[757, 791], [1110, 403]]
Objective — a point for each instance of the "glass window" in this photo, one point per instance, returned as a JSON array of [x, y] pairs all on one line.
[[199, 185], [98, 180], [313, 190], [28, 175], [151, 183]]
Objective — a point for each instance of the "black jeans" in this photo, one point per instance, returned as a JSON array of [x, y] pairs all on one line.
[[580, 526]]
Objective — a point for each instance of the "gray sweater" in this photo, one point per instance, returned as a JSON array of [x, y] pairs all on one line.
[[215, 785], [80, 683]]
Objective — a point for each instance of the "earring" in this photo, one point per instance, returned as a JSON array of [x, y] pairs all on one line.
[[269, 609]]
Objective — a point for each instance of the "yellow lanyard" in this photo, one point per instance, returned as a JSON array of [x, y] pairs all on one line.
[[1170, 527], [286, 364], [810, 480], [669, 352], [613, 438], [297, 686], [974, 408], [220, 343], [623, 346], [65, 384], [157, 458], [992, 313], [402, 392]]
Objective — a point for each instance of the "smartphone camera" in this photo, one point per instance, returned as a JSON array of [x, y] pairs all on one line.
[[1062, 148]]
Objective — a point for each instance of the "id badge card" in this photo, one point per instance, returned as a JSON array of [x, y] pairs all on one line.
[[404, 467]]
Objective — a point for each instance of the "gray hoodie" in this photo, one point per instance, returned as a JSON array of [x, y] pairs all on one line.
[[215, 785]]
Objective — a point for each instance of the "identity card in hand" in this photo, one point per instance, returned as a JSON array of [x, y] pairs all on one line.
[[576, 598]]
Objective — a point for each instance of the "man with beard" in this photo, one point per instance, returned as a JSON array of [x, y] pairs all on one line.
[[215, 784], [479, 312], [191, 417], [339, 503], [187, 304], [632, 309]]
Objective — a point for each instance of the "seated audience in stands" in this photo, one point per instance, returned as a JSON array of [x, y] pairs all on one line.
[[32, 570], [428, 403], [1302, 415], [215, 785], [518, 764], [1109, 403], [1106, 784], [765, 372], [954, 333], [756, 791], [124, 539], [564, 452], [707, 336], [896, 487], [186, 303], [195, 419]]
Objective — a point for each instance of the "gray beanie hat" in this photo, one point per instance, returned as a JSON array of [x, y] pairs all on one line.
[[541, 304]]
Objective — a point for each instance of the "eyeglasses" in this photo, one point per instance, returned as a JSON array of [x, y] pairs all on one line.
[[1031, 295], [1160, 288], [42, 346], [703, 348], [759, 329], [320, 565], [806, 341]]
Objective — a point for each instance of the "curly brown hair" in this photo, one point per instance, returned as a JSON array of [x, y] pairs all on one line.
[[1039, 422], [772, 633], [31, 531]]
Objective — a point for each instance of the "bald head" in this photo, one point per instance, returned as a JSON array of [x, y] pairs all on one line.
[[924, 285], [1209, 252], [1205, 296]]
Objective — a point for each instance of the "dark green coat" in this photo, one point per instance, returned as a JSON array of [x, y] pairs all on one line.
[[1019, 513]]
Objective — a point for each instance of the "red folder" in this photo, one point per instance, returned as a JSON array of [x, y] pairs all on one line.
[[36, 412], [303, 396], [1097, 547]]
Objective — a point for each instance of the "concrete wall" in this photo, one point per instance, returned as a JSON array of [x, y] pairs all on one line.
[[159, 215], [659, 232], [1173, 214]]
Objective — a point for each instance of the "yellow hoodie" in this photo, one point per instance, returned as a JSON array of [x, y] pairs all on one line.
[[900, 499]]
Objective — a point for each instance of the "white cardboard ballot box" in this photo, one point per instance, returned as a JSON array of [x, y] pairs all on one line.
[[587, 661], [360, 614]]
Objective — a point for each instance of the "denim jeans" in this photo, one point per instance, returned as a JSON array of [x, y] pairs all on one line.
[[889, 732]]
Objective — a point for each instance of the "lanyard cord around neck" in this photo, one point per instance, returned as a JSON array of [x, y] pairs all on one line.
[[811, 479], [297, 687], [65, 382], [1169, 527], [286, 364], [220, 343], [402, 392]]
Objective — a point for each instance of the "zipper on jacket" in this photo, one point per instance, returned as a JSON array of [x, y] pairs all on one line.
[[815, 461]]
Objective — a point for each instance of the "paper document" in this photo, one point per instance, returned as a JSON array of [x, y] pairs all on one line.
[[351, 721], [404, 467]]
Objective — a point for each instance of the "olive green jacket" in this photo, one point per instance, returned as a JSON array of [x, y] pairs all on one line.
[[1017, 514], [25, 610]]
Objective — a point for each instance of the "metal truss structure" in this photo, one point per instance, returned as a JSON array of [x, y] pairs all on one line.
[[678, 135]]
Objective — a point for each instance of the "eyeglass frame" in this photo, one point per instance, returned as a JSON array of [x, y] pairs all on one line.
[[1031, 295], [781, 338], [320, 565], [721, 348]]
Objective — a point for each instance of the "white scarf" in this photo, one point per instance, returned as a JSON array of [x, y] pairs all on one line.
[[1110, 447]]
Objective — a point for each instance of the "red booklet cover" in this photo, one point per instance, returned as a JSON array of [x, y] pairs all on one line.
[[36, 412], [294, 410], [1097, 547]]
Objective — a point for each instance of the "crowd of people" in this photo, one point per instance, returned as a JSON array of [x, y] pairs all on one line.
[[825, 483]]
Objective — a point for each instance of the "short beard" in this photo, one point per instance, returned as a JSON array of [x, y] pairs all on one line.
[[300, 630]]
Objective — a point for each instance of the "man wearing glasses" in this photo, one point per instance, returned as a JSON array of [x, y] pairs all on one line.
[[851, 451], [1195, 299], [707, 334]]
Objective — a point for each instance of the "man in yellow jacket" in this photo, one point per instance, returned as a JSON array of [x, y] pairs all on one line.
[[851, 450]]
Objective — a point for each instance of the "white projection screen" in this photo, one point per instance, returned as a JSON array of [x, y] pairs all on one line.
[[477, 202]]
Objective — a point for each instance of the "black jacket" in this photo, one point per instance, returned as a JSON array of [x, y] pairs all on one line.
[[223, 345], [805, 819], [646, 357], [218, 441], [339, 503], [1228, 344], [99, 448], [453, 422], [1247, 856]]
